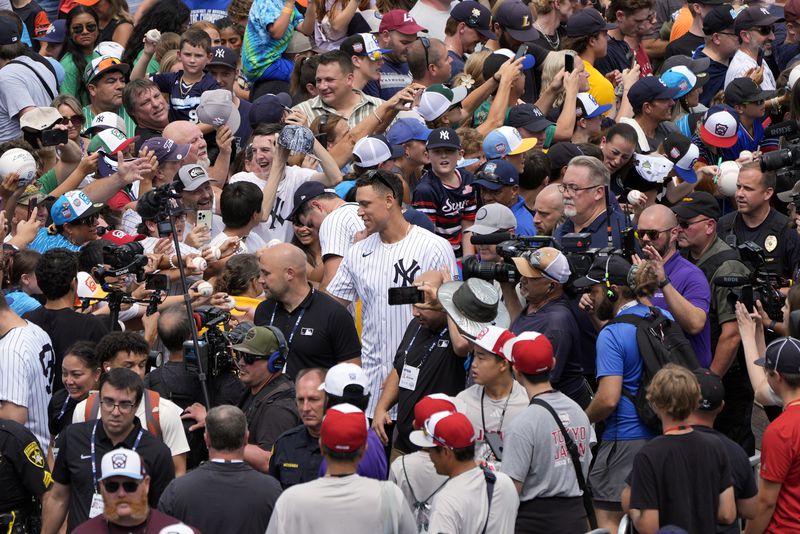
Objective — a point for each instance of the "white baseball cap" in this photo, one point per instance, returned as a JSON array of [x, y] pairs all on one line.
[[493, 338], [342, 375], [121, 463], [104, 121], [493, 218], [373, 150]]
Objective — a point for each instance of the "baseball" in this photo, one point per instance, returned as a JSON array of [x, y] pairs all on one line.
[[746, 154], [216, 252], [154, 36], [634, 197], [728, 173], [199, 264], [205, 289], [231, 301]]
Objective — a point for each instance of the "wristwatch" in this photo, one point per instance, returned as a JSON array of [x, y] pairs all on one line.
[[664, 283]]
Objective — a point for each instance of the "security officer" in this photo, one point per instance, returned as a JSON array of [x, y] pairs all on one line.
[[296, 455], [23, 476], [756, 221]]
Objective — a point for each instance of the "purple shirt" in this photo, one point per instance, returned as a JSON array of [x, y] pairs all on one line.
[[373, 464], [690, 282]]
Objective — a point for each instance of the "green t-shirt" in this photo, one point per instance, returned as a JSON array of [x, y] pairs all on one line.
[[73, 79], [152, 66], [48, 181]]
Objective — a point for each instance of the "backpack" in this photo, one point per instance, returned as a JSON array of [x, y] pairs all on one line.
[[151, 413], [660, 341]]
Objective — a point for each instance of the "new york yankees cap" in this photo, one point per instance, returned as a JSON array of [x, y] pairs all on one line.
[[443, 138], [224, 56]]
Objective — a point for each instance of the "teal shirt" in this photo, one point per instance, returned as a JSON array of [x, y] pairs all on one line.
[[259, 49]]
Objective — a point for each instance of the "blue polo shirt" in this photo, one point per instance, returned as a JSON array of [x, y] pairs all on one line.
[[690, 282], [598, 228], [44, 241], [524, 218], [457, 66]]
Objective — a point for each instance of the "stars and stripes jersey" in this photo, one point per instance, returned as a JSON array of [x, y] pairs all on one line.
[[445, 206], [338, 230], [183, 103], [367, 272], [278, 226], [27, 371]]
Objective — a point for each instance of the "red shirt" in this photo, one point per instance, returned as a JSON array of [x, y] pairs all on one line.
[[155, 522], [780, 463], [644, 62]]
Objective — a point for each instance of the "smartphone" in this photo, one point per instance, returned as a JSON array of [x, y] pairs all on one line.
[[405, 295], [156, 282], [204, 218], [495, 443], [54, 137], [569, 63], [32, 204], [747, 298], [521, 51], [760, 58]]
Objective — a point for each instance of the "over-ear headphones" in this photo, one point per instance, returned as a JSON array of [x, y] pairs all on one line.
[[610, 292], [277, 360]]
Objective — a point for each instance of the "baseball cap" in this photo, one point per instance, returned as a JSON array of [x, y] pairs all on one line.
[[476, 16], [648, 89], [192, 176], [431, 404], [304, 193], [110, 142], [399, 20], [783, 355], [492, 339], [794, 75], [712, 392], [680, 150], [720, 126], [217, 108], [437, 99], [791, 10], [681, 78], [443, 138], [9, 33], [754, 17], [546, 262], [121, 463], [492, 64], [613, 268], [560, 155], [698, 66], [528, 116], [531, 352], [167, 149], [110, 49], [300, 43], [260, 341], [224, 56], [104, 121], [39, 119], [515, 18], [344, 375], [118, 237], [587, 106], [373, 150], [101, 65], [473, 305], [405, 130], [71, 206], [496, 174], [56, 32], [492, 218], [448, 429], [745, 90], [506, 141], [586, 22], [719, 19], [344, 428], [269, 108], [363, 44]]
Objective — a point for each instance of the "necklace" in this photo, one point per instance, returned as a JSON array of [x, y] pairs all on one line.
[[184, 87], [552, 42]]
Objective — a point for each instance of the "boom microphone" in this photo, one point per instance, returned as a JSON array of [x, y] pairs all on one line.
[[782, 129], [732, 281], [495, 238]]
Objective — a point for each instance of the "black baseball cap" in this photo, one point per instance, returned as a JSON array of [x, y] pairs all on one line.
[[516, 19], [587, 21], [718, 19], [712, 392], [443, 138], [744, 90], [783, 355], [648, 89], [9, 34], [363, 44], [476, 16], [227, 57], [304, 193], [754, 17], [269, 108], [560, 155], [613, 268], [527, 116], [697, 203], [698, 66]]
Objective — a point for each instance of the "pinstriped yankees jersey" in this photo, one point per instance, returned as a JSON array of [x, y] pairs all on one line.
[[338, 229], [27, 370], [367, 272]]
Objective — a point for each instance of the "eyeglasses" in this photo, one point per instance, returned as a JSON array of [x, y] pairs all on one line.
[[112, 486], [75, 120], [124, 406], [687, 224], [652, 235], [88, 28], [572, 188], [765, 30], [426, 44]]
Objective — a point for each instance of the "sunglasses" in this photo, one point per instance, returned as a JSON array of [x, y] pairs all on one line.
[[426, 44], [652, 235], [88, 28], [687, 224], [247, 358], [75, 120], [112, 486], [90, 220], [375, 174], [765, 30]]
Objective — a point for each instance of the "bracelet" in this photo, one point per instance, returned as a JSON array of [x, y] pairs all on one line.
[[664, 283], [171, 263], [771, 326], [376, 116]]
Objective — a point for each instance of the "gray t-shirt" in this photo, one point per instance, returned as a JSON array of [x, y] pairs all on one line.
[[535, 452], [19, 89]]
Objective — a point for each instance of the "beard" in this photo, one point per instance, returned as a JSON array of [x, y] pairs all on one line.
[[204, 162], [569, 210], [139, 508], [605, 310]]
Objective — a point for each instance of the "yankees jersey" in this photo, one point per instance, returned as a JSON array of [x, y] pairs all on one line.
[[277, 225], [446, 206], [183, 100], [367, 272], [338, 230], [27, 370]]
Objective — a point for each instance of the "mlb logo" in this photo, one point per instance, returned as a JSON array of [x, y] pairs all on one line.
[[306, 331]]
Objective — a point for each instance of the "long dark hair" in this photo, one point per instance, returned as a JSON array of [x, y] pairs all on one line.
[[71, 48], [165, 16]]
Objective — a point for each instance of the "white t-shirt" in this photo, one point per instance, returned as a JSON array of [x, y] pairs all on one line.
[[277, 225], [430, 18], [351, 504], [338, 230], [741, 63], [216, 226], [27, 371], [249, 244], [169, 418], [461, 506], [418, 480], [367, 272]]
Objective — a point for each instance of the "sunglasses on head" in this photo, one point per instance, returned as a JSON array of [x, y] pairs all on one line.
[[112, 486], [375, 174], [88, 28], [426, 44]]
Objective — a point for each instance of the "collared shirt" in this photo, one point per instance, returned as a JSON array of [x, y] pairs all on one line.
[[598, 228], [296, 457], [270, 412], [394, 78], [524, 218], [23, 472], [315, 107]]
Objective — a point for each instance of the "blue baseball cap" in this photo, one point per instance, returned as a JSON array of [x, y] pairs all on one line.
[[405, 130], [506, 141], [71, 206], [496, 174], [56, 32], [648, 89]]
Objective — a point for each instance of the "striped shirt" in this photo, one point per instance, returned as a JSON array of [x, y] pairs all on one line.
[[446, 206], [367, 272], [338, 230], [27, 371], [44, 241], [315, 107]]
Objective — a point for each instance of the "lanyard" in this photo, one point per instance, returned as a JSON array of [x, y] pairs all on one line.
[[296, 324], [502, 416], [94, 457], [63, 408], [430, 349]]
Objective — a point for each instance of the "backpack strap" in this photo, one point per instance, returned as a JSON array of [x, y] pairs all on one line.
[[574, 453], [92, 411], [44, 83], [491, 478]]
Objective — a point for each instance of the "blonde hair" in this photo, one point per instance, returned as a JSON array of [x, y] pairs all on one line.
[[551, 66], [168, 61], [168, 41], [645, 280], [543, 6], [474, 66], [674, 391]]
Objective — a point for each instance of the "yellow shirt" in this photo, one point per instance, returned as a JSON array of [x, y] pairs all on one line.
[[599, 87]]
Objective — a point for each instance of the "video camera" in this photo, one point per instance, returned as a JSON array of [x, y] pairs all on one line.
[[759, 285], [214, 345], [786, 161]]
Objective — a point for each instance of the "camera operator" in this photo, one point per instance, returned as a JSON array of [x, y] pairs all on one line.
[[697, 236], [756, 221], [548, 311]]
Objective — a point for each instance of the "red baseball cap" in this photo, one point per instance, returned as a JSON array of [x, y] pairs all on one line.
[[493, 338], [118, 237], [448, 429], [531, 352], [344, 428], [431, 404], [399, 20]]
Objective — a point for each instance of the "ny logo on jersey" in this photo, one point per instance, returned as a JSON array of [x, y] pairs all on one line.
[[47, 360], [275, 214], [403, 275]]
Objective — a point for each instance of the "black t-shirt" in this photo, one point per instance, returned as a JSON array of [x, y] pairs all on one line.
[[59, 411], [22, 467], [107, 33], [143, 134], [270, 412], [440, 371], [619, 56], [222, 497], [780, 242], [685, 45], [34, 18], [172, 381], [682, 477], [73, 465], [320, 332], [65, 327], [296, 457]]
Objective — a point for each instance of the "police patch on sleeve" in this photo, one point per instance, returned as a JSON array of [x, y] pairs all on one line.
[[34, 454]]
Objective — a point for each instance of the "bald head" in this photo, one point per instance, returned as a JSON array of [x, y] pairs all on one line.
[[283, 269], [549, 207], [660, 219], [657, 217], [188, 133]]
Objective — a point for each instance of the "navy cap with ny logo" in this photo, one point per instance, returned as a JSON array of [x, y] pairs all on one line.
[[443, 138]]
